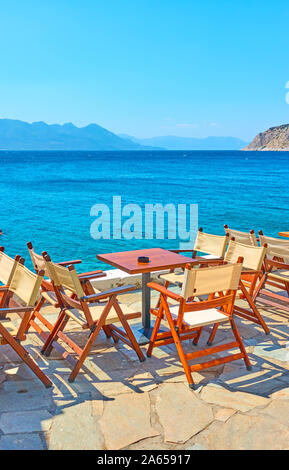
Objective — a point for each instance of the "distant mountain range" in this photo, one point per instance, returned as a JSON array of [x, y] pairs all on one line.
[[20, 135], [274, 138], [190, 143]]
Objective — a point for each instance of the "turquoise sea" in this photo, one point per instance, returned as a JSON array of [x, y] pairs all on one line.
[[46, 197]]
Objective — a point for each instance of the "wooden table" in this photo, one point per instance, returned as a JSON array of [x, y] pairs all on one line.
[[159, 260], [284, 234]]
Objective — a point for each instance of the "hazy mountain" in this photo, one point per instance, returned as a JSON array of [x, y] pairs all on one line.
[[275, 138], [191, 143], [19, 135]]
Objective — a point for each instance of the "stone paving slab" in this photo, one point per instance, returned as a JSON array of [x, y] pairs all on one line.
[[126, 420]]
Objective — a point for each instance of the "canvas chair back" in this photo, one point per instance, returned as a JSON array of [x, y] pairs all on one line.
[[65, 278], [275, 247], [7, 268], [253, 255], [37, 260], [204, 281], [242, 237], [211, 244], [25, 284]]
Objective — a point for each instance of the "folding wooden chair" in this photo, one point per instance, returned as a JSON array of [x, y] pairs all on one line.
[[253, 257], [242, 237], [25, 286], [93, 312], [189, 316], [212, 246], [276, 273], [37, 320]]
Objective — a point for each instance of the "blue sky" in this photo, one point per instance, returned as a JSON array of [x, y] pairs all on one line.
[[147, 67]]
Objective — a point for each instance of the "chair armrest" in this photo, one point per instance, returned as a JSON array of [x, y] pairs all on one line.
[[4, 311], [108, 293], [276, 264], [182, 251], [251, 271], [3, 289], [163, 290], [67, 263], [92, 274]]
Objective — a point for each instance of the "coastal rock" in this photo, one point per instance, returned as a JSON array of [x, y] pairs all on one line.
[[274, 138]]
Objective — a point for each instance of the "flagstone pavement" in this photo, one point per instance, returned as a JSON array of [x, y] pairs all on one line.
[[117, 402]]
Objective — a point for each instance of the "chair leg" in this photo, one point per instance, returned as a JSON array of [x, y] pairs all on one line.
[[91, 340], [213, 334], [85, 352], [240, 343], [46, 350], [260, 286], [128, 331], [23, 354], [156, 328], [179, 346], [255, 310], [34, 313], [197, 338], [23, 327], [154, 335]]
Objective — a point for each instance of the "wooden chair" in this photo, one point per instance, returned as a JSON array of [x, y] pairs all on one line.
[[25, 286], [253, 257], [212, 246], [242, 237], [189, 316], [37, 320], [93, 312], [276, 273]]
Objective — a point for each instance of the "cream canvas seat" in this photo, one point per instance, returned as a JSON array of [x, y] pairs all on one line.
[[93, 311], [187, 319], [202, 318], [241, 237], [96, 310]]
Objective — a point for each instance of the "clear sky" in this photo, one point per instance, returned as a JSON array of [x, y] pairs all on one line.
[[147, 67]]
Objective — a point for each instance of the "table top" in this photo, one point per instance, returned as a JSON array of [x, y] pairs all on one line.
[[159, 259], [284, 234]]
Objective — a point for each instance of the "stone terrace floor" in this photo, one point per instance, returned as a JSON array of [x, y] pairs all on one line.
[[117, 402]]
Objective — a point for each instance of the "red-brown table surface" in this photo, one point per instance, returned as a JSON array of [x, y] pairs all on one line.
[[160, 259]]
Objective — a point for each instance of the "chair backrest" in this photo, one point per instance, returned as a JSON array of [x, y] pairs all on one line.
[[242, 237], [253, 255], [65, 278], [205, 281], [37, 260], [7, 267], [276, 247], [25, 284], [211, 244]]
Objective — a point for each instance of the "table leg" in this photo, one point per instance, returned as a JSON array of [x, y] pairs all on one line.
[[146, 301]]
